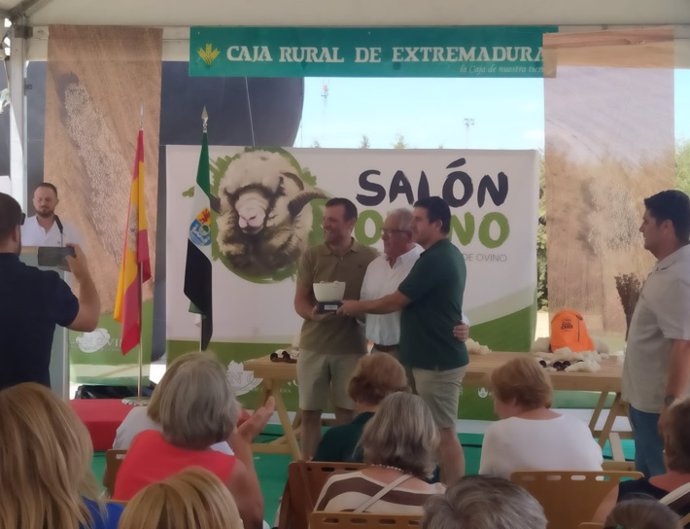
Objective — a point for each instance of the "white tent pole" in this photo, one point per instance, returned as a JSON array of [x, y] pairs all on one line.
[[17, 109]]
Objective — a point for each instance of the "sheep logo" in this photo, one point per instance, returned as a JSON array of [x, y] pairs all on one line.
[[264, 213]]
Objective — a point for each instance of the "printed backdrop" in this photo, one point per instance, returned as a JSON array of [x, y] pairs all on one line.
[[493, 195], [494, 199]]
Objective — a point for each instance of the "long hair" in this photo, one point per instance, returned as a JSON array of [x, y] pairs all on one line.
[[45, 461], [192, 499]]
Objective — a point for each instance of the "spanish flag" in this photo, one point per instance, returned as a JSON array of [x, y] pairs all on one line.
[[136, 264]]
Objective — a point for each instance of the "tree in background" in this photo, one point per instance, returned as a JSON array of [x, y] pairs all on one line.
[[400, 142], [364, 144], [683, 166], [542, 274]]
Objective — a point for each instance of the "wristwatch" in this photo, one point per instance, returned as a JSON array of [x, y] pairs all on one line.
[[669, 399]]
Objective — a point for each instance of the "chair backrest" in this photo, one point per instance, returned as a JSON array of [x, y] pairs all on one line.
[[351, 520], [304, 484], [570, 497], [113, 460]]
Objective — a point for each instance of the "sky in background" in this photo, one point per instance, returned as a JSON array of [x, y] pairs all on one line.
[[429, 113]]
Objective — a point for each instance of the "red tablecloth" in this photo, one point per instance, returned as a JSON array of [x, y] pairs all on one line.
[[101, 417]]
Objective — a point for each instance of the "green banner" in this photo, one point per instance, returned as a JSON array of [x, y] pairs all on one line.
[[465, 51]]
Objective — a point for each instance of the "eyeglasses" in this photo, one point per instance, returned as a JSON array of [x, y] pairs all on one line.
[[385, 231], [22, 219]]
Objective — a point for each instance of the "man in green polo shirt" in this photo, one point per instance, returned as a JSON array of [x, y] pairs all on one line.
[[330, 344], [430, 298]]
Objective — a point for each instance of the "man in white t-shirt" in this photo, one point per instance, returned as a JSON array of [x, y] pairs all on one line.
[[383, 276], [45, 228]]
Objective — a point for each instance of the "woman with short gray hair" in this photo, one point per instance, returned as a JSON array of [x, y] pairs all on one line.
[[197, 410], [484, 502], [399, 445]]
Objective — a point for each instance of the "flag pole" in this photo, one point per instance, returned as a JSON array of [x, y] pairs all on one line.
[[204, 129], [139, 400], [140, 397]]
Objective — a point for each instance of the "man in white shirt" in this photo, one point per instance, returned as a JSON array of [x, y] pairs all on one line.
[[383, 276], [656, 371], [45, 228]]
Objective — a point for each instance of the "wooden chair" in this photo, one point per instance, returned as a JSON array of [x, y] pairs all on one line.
[[304, 484], [570, 497], [627, 466], [113, 460], [350, 520]]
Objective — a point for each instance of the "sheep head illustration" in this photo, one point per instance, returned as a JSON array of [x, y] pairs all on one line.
[[264, 213]]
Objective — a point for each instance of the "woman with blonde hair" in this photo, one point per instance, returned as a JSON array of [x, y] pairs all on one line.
[[197, 410], [193, 499], [142, 418], [399, 446], [45, 465], [530, 435], [376, 376]]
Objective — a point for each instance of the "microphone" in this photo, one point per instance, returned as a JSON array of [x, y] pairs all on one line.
[[60, 228]]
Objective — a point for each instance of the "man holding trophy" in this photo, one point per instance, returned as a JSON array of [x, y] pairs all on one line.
[[330, 344]]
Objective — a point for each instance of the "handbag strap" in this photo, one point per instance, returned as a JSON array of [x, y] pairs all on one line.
[[678, 500], [676, 494], [380, 494]]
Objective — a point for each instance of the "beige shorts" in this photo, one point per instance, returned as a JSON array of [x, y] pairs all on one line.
[[320, 376], [441, 391]]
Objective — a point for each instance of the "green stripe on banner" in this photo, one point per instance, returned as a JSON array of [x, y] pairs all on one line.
[[512, 332], [96, 358]]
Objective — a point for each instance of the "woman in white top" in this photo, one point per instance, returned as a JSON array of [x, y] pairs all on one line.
[[531, 436], [142, 418]]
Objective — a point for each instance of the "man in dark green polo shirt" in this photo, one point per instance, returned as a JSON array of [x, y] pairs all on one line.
[[431, 302]]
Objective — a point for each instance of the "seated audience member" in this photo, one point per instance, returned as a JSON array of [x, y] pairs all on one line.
[[376, 376], [142, 418], [642, 513], [193, 499], [483, 502], [45, 465], [399, 445], [676, 433], [198, 409], [531, 436]]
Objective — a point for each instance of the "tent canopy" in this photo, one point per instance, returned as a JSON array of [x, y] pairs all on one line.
[[353, 13]]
